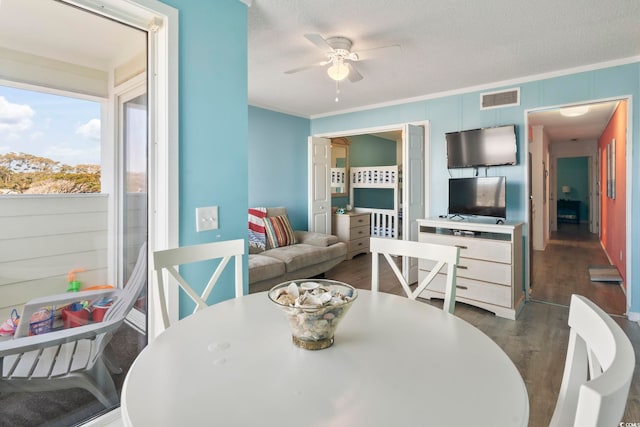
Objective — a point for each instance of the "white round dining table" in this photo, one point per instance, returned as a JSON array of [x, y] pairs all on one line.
[[395, 362]]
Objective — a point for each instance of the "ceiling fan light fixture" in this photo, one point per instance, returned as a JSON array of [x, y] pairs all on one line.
[[575, 111], [338, 71]]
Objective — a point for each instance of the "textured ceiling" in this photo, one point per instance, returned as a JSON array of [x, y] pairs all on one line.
[[446, 45]]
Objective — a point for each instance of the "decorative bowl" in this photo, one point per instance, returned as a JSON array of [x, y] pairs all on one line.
[[314, 308]]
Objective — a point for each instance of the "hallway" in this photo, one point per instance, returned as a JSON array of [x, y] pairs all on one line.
[[562, 269]]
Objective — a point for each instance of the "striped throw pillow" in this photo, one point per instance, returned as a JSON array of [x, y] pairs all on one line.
[[279, 231], [257, 236]]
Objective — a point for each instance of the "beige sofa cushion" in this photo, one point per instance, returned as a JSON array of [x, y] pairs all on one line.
[[315, 239], [265, 267], [277, 211], [303, 255]]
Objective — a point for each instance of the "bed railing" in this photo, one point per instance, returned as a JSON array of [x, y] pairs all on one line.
[[384, 176], [384, 222]]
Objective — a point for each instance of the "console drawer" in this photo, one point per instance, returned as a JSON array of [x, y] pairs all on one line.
[[472, 289], [470, 247], [477, 269]]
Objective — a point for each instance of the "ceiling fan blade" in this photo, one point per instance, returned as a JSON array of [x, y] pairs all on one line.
[[306, 67], [319, 41], [354, 75], [376, 52]]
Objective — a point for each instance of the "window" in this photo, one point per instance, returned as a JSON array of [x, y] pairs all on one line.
[[48, 143]]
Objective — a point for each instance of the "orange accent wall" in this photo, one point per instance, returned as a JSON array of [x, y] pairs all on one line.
[[613, 211]]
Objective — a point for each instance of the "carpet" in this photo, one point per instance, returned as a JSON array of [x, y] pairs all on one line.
[[604, 273]]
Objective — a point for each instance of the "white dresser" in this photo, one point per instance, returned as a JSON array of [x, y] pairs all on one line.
[[354, 229], [489, 274]]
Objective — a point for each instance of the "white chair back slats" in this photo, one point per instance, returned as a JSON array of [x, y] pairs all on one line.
[[169, 260], [443, 256], [598, 369]]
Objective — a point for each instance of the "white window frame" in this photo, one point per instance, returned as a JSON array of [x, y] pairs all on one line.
[[123, 93], [160, 21]]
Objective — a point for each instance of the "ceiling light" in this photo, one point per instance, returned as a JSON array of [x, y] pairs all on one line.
[[575, 111], [338, 71]]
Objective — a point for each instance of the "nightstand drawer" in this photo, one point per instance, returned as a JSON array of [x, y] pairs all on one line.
[[360, 220], [358, 245], [360, 232], [355, 230]]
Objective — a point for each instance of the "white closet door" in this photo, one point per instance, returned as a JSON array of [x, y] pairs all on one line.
[[319, 185], [412, 192]]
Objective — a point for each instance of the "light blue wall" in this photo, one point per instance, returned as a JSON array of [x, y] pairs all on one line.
[[574, 172], [278, 163], [369, 150], [458, 112], [213, 127]]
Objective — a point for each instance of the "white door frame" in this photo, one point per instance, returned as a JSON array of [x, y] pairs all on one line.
[[124, 93], [319, 193], [160, 21], [397, 127], [413, 173], [629, 165], [594, 200], [390, 128]]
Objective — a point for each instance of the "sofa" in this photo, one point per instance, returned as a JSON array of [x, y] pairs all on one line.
[[312, 254]]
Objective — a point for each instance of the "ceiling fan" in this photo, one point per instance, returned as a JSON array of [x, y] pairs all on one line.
[[339, 55]]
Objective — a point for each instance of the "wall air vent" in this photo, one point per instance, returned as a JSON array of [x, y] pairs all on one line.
[[501, 99]]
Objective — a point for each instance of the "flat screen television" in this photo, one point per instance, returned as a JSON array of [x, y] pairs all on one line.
[[482, 147], [478, 196]]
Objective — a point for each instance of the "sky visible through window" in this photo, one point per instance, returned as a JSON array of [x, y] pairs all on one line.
[[63, 129]]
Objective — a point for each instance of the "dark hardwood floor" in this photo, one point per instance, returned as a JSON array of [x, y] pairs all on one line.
[[562, 269], [536, 342]]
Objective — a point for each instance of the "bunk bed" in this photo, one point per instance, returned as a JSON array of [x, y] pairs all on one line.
[[384, 222], [338, 180]]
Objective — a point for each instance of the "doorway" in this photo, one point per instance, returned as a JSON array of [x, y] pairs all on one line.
[[569, 205], [411, 194], [574, 208]]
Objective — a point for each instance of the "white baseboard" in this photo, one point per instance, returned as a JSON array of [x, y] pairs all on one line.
[[633, 316], [110, 419]]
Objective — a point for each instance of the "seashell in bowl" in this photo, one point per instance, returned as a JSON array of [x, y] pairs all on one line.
[[314, 309]]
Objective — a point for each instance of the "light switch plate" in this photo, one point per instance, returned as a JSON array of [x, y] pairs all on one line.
[[207, 218]]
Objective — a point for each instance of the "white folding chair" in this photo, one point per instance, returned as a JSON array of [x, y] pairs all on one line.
[[169, 259], [597, 372], [76, 357], [442, 254]]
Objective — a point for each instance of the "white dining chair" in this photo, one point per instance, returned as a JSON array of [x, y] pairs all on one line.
[[441, 254], [597, 372], [169, 260]]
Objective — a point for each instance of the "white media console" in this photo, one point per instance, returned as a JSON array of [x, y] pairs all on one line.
[[489, 274]]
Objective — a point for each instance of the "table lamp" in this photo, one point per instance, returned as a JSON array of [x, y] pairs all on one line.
[[566, 190]]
